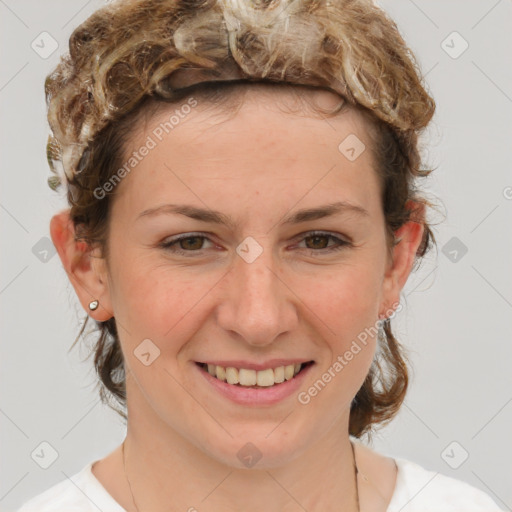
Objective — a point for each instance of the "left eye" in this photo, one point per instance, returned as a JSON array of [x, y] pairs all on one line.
[[190, 243], [316, 237]]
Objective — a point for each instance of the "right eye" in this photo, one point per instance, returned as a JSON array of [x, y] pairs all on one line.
[[188, 243]]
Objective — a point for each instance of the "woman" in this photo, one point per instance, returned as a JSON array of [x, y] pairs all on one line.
[[243, 216]]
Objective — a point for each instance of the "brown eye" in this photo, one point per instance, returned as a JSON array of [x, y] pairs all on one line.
[[187, 245], [191, 243], [319, 243]]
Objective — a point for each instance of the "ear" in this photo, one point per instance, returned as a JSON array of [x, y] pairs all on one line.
[[86, 271], [408, 237]]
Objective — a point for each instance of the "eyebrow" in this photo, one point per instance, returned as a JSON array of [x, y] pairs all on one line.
[[216, 217]]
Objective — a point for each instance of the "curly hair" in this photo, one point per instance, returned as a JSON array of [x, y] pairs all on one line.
[[132, 56]]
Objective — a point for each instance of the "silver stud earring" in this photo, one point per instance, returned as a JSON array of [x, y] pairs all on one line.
[[93, 305]]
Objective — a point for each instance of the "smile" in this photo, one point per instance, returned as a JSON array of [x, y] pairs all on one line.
[[250, 378]]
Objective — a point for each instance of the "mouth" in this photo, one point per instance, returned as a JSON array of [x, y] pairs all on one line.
[[256, 379]]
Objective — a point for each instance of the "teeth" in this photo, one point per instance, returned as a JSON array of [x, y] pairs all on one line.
[[232, 375], [289, 371], [220, 371], [246, 377], [279, 375], [265, 377]]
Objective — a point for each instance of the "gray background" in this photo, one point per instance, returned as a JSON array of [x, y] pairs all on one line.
[[458, 305]]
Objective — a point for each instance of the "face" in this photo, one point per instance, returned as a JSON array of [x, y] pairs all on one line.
[[259, 279]]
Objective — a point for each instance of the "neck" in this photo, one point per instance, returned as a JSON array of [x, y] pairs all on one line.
[[163, 467]]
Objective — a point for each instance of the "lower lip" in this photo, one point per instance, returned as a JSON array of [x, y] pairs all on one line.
[[257, 396]]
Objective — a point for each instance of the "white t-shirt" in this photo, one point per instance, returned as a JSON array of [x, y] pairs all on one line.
[[417, 490]]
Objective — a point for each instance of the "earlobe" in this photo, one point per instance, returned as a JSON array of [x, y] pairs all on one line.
[[84, 269]]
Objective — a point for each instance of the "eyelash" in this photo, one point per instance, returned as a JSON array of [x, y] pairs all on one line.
[[168, 245]]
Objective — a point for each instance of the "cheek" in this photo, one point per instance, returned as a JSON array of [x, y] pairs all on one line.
[[346, 299], [153, 301], [347, 306]]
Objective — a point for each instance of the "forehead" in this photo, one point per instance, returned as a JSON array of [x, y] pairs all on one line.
[[259, 139], [268, 111], [212, 105]]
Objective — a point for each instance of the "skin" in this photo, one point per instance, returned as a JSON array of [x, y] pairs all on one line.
[[294, 301]]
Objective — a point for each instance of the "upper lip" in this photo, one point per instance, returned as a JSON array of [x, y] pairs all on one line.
[[271, 363]]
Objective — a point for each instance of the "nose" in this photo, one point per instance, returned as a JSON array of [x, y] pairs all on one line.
[[257, 305]]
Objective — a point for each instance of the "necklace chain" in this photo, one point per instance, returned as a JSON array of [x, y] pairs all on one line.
[[356, 472], [128, 480]]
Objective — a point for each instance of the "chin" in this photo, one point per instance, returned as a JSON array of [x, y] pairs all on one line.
[[257, 449]]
